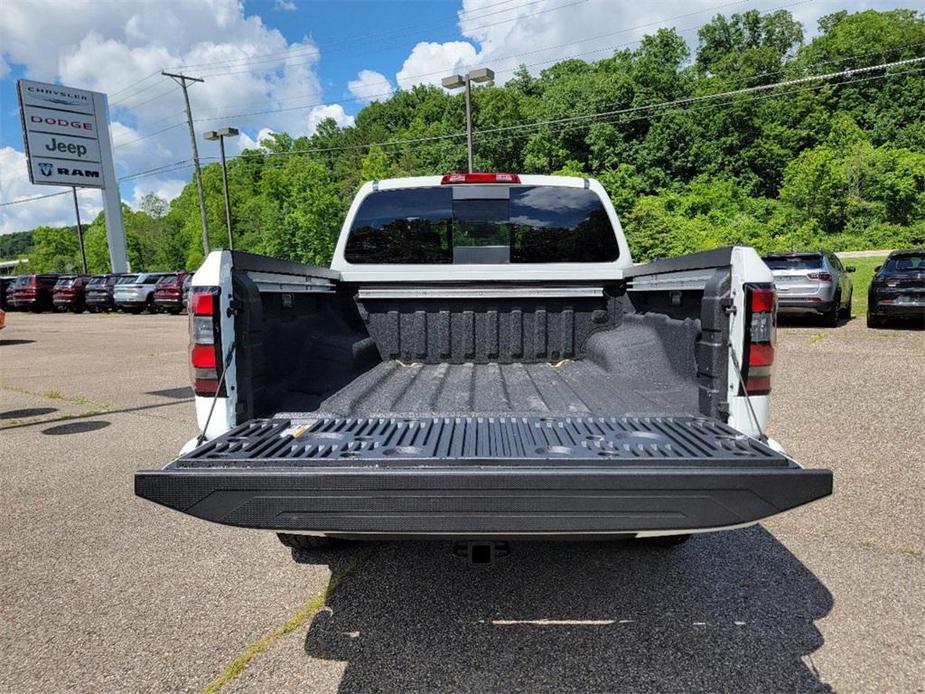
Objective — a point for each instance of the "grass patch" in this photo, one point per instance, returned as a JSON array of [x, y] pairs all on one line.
[[861, 279], [816, 338], [55, 395]]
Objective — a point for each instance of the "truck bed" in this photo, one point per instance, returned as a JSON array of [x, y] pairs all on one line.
[[504, 409], [630, 371], [567, 388]]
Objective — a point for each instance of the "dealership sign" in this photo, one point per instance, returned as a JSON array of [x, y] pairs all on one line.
[[62, 128], [66, 134]]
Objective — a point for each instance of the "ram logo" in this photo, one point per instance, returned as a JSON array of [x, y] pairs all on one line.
[[46, 169]]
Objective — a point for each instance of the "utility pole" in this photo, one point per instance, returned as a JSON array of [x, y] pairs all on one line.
[[182, 80], [80, 231]]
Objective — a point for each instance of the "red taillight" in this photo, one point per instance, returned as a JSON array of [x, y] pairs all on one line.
[[761, 354], [762, 299], [202, 303], [480, 178], [822, 276], [203, 356], [205, 341], [760, 335]]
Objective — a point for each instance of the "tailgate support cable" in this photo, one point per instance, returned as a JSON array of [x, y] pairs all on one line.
[[202, 434]]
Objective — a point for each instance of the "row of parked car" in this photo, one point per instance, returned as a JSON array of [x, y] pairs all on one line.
[[130, 292], [817, 283]]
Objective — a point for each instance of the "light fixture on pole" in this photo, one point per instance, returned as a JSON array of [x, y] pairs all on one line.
[[482, 74], [220, 135]]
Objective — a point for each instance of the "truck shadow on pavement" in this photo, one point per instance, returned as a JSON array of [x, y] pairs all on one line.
[[733, 611]]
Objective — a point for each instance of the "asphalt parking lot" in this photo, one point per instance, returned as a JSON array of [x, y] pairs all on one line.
[[100, 590]]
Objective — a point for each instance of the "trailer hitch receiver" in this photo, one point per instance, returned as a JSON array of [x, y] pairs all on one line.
[[481, 552]]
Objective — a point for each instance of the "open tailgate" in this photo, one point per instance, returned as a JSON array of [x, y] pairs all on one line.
[[483, 475]]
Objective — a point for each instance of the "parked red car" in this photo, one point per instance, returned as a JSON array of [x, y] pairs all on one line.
[[168, 293], [34, 292], [70, 293]]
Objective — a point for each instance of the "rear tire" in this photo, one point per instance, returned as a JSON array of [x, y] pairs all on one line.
[[874, 321], [846, 312], [830, 317]]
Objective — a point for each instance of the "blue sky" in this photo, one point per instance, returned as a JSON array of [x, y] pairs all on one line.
[[274, 65]]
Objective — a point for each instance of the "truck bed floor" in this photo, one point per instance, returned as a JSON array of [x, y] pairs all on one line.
[[565, 389]]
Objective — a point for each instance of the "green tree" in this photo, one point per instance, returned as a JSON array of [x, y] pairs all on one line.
[[56, 249]]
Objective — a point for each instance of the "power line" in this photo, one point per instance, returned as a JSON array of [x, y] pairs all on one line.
[[349, 43], [616, 112], [572, 122], [494, 59], [501, 58]]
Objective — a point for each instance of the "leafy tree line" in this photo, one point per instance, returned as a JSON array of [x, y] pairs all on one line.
[[839, 164]]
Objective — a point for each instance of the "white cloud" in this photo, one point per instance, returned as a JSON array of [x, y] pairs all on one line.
[[431, 62], [538, 35], [168, 189], [286, 5], [244, 140], [52, 211], [319, 114], [370, 86], [120, 47]]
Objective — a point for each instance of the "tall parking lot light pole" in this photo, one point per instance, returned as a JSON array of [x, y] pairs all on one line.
[[220, 135], [482, 74]]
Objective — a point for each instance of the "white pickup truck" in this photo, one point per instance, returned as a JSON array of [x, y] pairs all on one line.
[[483, 361]]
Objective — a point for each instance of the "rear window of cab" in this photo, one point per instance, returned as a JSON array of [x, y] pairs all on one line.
[[482, 224]]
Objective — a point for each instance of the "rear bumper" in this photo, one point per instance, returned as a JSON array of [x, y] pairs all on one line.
[[484, 501], [908, 309], [801, 305], [99, 300]]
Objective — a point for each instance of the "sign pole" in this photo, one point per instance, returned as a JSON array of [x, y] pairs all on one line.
[[112, 198], [80, 231]]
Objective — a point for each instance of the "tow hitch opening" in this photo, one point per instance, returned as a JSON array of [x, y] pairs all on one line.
[[482, 553]]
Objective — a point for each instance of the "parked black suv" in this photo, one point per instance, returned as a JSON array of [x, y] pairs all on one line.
[[898, 289], [99, 292]]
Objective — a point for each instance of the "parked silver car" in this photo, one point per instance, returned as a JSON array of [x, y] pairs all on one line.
[[812, 283], [134, 293]]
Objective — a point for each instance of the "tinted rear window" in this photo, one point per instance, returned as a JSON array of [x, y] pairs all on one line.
[[482, 224], [794, 262], [167, 280], [128, 279], [906, 263]]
